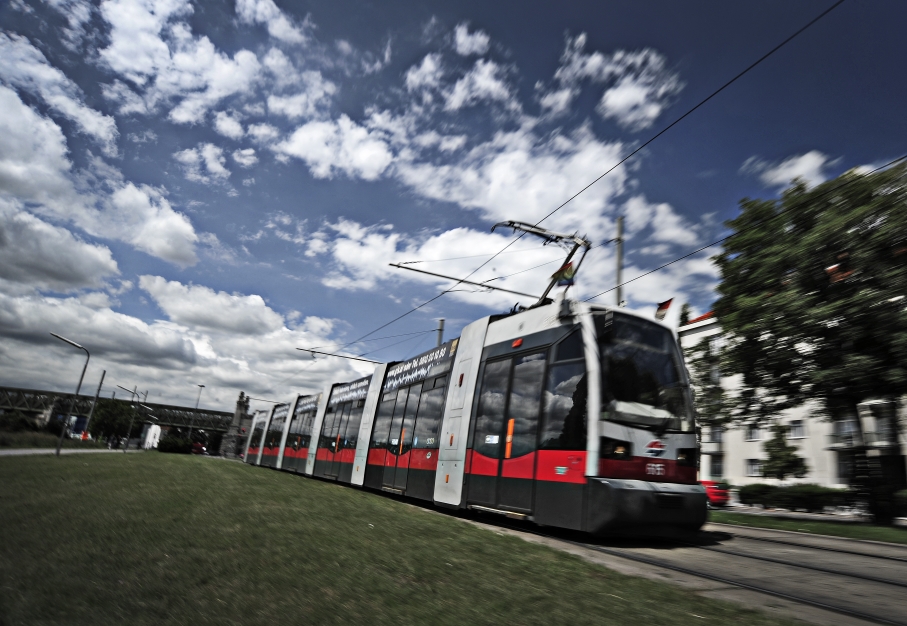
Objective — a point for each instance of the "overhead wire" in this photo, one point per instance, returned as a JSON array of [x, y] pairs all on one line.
[[762, 223], [471, 256], [634, 152], [614, 167]]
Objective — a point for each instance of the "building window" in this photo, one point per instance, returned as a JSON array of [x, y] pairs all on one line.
[[795, 430], [716, 343], [716, 434], [716, 466], [845, 468], [752, 433], [753, 467]]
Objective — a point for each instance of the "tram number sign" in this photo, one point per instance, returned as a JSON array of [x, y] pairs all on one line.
[[655, 469]]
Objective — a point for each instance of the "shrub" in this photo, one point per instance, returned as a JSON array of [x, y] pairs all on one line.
[[813, 498], [757, 493], [900, 503], [178, 445]]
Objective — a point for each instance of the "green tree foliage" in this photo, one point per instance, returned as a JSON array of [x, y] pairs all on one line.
[[112, 417], [704, 362], [813, 299], [685, 314], [783, 460]]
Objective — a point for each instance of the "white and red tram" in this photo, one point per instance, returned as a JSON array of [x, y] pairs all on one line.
[[570, 415]]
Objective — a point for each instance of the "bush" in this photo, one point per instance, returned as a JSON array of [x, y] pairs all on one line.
[[757, 493], [813, 498], [900, 503], [178, 445]]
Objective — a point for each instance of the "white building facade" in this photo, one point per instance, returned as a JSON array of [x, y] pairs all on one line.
[[736, 453]]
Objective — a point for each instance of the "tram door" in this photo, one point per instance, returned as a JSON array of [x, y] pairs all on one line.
[[502, 472], [341, 418], [400, 441]]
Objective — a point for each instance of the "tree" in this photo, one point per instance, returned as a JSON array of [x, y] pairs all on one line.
[[782, 460], [812, 300], [704, 361], [111, 417], [685, 314]]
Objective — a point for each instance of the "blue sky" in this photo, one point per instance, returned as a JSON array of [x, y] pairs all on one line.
[[193, 190]]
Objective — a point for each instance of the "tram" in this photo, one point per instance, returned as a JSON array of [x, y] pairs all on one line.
[[566, 414]]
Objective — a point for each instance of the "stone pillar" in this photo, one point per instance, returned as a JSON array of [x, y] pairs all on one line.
[[238, 431]]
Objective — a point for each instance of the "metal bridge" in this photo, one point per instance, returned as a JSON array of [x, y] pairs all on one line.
[[44, 404]]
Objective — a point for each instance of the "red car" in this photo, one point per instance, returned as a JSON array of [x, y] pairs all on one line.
[[717, 492], [198, 448]]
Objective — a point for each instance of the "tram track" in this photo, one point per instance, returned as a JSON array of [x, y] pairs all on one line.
[[814, 568], [830, 579], [741, 584], [886, 557]]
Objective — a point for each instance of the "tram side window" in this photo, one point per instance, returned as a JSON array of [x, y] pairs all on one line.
[[305, 429], [564, 426], [351, 437], [525, 396], [428, 422], [331, 416], [490, 414], [293, 432], [383, 420]]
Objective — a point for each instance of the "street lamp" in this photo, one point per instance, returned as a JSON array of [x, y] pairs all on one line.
[[131, 419], [192, 417], [78, 388]]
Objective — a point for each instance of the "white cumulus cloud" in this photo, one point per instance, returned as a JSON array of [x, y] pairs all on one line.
[[24, 66], [466, 43], [309, 103], [638, 85], [228, 125], [483, 82], [246, 158], [198, 306], [207, 157], [267, 13], [809, 167], [340, 146]]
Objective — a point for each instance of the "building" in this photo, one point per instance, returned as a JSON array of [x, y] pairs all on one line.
[[736, 454]]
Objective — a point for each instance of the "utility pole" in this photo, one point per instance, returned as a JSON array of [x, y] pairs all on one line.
[[192, 416], [620, 257], [75, 398], [440, 332], [95, 403]]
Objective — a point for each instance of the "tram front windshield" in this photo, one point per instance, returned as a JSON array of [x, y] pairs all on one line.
[[642, 384]]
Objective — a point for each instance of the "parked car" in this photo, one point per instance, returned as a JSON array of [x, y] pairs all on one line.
[[717, 492], [198, 448]]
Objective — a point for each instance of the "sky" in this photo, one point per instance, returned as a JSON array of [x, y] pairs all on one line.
[[194, 190]]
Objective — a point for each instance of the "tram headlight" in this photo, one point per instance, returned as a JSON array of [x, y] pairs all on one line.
[[615, 449]]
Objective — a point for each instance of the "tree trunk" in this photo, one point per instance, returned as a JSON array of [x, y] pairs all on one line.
[[869, 479]]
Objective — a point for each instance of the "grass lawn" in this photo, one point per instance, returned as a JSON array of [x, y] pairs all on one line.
[[850, 530], [154, 538], [32, 439]]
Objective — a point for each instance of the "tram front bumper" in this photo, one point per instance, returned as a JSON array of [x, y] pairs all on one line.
[[615, 504]]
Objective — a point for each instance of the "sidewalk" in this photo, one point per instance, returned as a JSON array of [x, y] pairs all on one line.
[[27, 451]]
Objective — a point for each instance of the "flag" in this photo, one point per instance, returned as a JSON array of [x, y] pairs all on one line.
[[662, 309], [564, 276]]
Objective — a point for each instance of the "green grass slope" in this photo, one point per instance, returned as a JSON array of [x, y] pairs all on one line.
[[156, 539]]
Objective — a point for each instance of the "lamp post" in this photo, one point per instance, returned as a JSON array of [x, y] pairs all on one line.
[[149, 417], [134, 393], [192, 417], [78, 388]]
